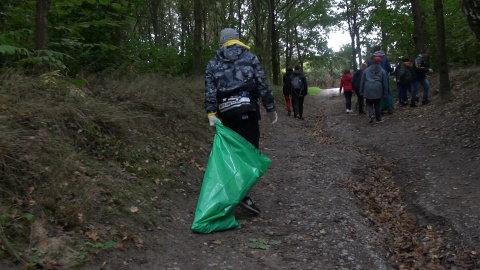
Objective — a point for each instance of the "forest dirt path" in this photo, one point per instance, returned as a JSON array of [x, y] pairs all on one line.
[[340, 194]]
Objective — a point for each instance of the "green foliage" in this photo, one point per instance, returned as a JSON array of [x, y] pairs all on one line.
[[12, 50], [14, 229], [314, 90], [148, 57], [94, 35], [262, 243]]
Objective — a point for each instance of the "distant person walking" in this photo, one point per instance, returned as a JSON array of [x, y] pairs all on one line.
[[374, 87], [422, 67], [234, 81], [287, 89], [346, 86], [299, 91], [356, 78], [404, 77]]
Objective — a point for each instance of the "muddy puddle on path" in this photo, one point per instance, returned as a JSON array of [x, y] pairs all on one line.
[[330, 92]]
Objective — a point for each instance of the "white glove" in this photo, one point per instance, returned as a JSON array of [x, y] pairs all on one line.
[[212, 118], [430, 70], [273, 117]]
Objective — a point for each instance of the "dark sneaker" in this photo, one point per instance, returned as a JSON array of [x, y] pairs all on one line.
[[372, 119], [289, 113], [390, 111], [413, 105], [249, 205], [378, 122], [300, 118]]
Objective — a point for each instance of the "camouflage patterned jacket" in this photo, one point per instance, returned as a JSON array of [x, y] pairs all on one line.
[[235, 69]]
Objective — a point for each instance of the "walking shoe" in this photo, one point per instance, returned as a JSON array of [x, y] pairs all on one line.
[[300, 118], [372, 118], [378, 122], [390, 111], [249, 205], [347, 111], [413, 105], [289, 113]]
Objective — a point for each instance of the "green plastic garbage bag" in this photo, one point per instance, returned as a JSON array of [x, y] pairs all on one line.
[[233, 168], [385, 102]]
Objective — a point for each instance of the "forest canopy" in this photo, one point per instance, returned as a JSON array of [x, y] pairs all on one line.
[[179, 37]]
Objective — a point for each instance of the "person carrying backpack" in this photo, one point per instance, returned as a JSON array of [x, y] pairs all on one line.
[[287, 89], [356, 78], [299, 91], [404, 79], [234, 83]]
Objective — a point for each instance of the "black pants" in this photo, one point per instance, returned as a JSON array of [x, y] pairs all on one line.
[[360, 101], [348, 99], [246, 125], [373, 107], [297, 105]]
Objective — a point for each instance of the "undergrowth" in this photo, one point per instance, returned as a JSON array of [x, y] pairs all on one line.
[[93, 159]]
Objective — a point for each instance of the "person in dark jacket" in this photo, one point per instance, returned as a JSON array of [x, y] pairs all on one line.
[[287, 89], [356, 78], [374, 87], [234, 81], [404, 78], [387, 103], [422, 67], [298, 97]]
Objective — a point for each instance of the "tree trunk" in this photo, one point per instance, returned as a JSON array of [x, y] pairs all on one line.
[[240, 16], [418, 26], [359, 50], [153, 5], [351, 23], [274, 43], [445, 92], [41, 33], [41, 24], [288, 46], [297, 46], [183, 27], [471, 10], [354, 50], [258, 35], [171, 24], [197, 37]]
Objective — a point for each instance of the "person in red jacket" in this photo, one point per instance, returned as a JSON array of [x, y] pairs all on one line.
[[346, 86]]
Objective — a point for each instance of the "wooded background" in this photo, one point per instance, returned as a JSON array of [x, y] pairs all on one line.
[[178, 37]]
